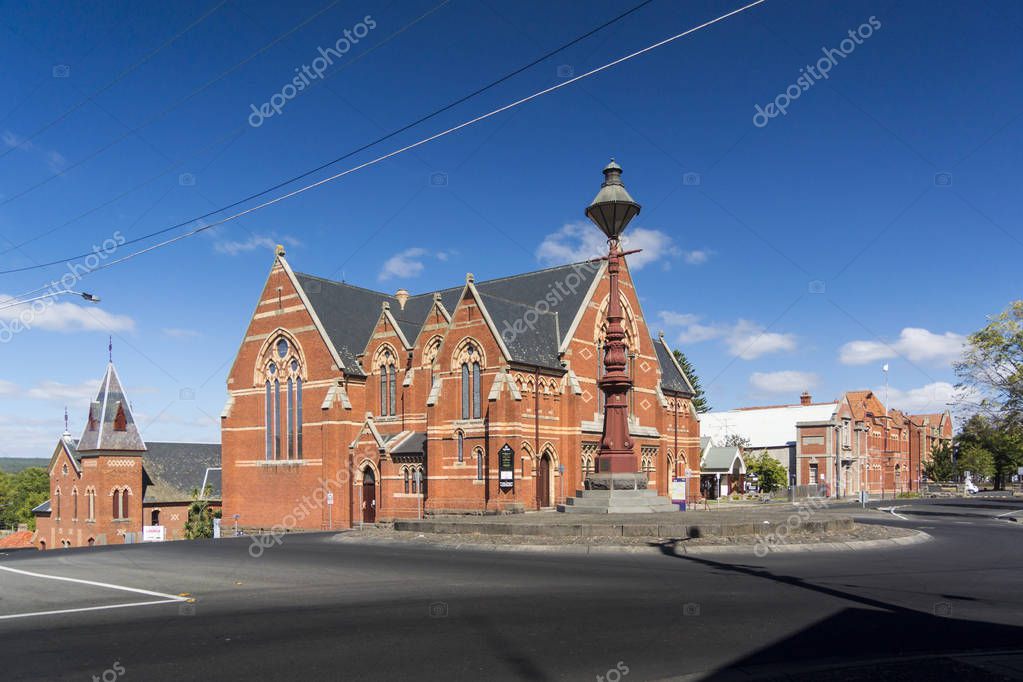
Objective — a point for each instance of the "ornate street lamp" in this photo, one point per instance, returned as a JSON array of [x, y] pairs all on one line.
[[611, 211]]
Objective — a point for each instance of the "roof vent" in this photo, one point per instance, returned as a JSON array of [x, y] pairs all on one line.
[[402, 296]]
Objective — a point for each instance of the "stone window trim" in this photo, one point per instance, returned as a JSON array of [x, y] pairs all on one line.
[[281, 373]]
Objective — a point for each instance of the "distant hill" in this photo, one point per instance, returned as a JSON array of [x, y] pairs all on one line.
[[12, 465]]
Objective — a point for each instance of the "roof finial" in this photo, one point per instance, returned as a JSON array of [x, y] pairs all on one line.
[[110, 349], [66, 430]]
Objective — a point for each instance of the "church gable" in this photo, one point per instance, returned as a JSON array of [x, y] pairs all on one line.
[[283, 312]]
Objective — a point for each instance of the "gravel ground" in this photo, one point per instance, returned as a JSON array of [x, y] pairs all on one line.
[[859, 532]]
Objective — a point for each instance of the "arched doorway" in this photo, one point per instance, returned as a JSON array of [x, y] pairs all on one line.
[[42, 545], [543, 481], [92, 542], [369, 495]]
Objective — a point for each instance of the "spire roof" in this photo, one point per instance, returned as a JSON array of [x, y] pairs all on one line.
[[110, 426]]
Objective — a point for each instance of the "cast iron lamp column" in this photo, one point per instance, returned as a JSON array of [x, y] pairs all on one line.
[[611, 211]]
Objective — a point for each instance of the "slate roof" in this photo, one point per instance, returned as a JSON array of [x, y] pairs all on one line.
[[413, 445], [173, 470], [673, 379], [552, 297], [43, 508], [349, 313], [100, 429]]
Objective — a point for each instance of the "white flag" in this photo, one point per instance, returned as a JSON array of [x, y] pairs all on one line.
[[885, 367]]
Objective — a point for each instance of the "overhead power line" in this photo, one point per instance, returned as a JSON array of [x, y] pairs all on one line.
[[117, 79], [401, 150], [348, 154]]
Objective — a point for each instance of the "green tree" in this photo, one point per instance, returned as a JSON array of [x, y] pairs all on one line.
[[992, 366], [977, 460], [19, 493], [699, 398], [941, 468], [200, 516], [999, 438], [770, 473]]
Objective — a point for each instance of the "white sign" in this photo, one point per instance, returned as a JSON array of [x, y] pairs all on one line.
[[677, 490], [152, 533], [216, 528]]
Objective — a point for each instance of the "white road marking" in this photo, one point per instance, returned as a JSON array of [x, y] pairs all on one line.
[[165, 598], [1014, 511], [891, 510], [88, 608]]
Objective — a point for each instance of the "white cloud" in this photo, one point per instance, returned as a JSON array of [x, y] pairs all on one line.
[[72, 393], [7, 387], [749, 340], [408, 263], [787, 381], [178, 333], [743, 339], [914, 344], [697, 257], [581, 241], [930, 398], [60, 317], [256, 241], [55, 161]]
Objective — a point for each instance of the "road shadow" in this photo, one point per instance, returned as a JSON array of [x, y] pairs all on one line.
[[873, 639]]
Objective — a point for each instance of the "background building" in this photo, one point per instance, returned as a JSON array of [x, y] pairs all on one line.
[[108, 484], [853, 444]]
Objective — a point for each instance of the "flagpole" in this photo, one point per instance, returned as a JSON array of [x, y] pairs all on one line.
[[884, 369]]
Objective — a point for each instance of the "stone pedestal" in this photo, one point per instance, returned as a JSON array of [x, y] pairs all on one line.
[[608, 493]]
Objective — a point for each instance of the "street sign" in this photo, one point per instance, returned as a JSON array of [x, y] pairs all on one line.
[[152, 533], [506, 467]]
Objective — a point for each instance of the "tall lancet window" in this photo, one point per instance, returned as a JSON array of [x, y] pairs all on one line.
[[277, 418], [283, 378], [291, 418], [268, 421], [388, 383], [470, 361]]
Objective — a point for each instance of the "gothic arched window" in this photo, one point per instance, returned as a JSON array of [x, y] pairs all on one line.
[[470, 361], [479, 464], [461, 447], [281, 374], [388, 384]]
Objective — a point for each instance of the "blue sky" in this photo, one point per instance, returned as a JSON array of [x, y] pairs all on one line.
[[876, 220]]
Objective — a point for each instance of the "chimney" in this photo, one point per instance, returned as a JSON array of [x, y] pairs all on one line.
[[402, 296], [805, 398]]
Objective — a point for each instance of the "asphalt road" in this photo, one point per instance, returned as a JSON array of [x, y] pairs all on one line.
[[314, 608]]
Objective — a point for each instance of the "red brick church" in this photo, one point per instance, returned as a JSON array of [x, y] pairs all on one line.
[[347, 404]]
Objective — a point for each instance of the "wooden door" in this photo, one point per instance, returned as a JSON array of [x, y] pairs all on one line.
[[543, 482], [369, 497]]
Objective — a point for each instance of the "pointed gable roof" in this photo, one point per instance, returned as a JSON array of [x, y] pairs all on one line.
[[862, 402], [111, 426], [349, 313], [673, 378]]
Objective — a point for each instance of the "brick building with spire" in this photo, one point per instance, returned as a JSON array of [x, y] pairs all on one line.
[[108, 484]]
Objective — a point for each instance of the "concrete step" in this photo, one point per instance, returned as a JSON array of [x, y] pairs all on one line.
[[604, 494], [617, 502], [614, 509]]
